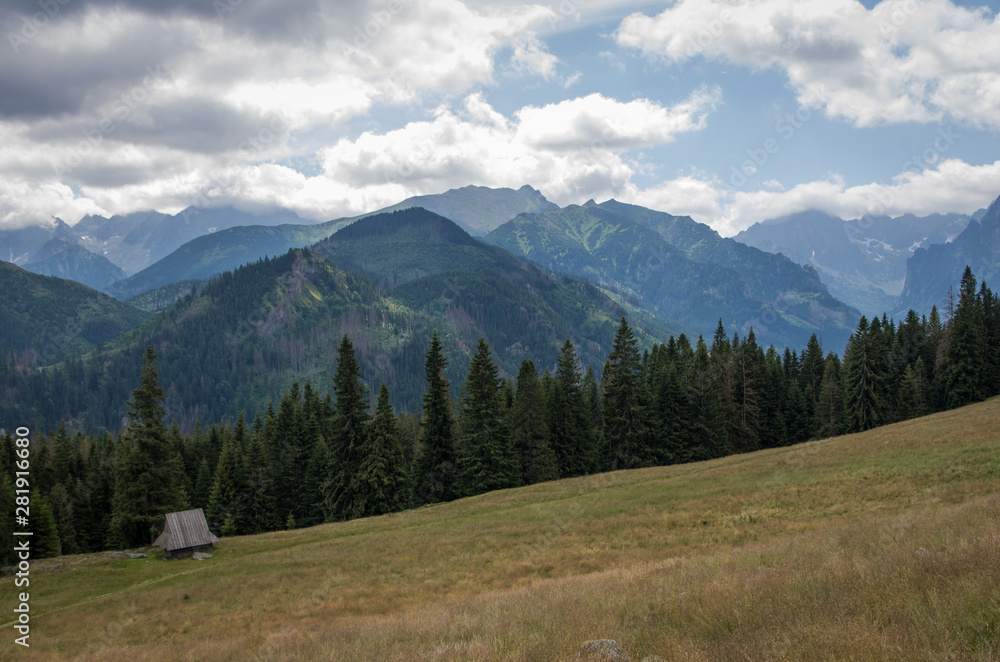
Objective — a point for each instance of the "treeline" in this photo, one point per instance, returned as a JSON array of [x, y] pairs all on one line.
[[327, 457]]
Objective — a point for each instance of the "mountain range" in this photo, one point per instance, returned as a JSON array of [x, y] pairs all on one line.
[[934, 269], [862, 261], [122, 245], [246, 317], [244, 338], [682, 271]]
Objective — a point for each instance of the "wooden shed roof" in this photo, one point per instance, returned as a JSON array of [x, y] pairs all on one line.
[[187, 528]]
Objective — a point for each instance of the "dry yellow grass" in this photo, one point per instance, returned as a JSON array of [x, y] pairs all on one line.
[[878, 546]]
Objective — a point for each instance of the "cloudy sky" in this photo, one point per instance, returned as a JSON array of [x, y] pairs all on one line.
[[729, 111]]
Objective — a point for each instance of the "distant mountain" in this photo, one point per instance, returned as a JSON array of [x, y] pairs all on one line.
[[66, 259], [682, 271], [477, 209], [134, 241], [48, 318], [470, 207], [225, 250], [242, 340], [932, 270], [863, 262]]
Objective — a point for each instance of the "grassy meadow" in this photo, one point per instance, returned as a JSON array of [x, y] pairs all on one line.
[[877, 546]]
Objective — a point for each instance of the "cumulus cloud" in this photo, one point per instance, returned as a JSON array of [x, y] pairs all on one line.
[[901, 61], [148, 96], [950, 186]]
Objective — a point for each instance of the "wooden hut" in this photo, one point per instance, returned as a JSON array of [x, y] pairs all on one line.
[[185, 533]]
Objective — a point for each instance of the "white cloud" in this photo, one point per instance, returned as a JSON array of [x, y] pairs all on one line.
[[903, 60], [602, 123], [951, 186], [222, 99]]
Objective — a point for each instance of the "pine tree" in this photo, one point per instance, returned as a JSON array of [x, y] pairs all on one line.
[[486, 461], [7, 505], [228, 488], [705, 433], [148, 470], [991, 341], [318, 471], [529, 429], [349, 421], [258, 513], [624, 424], [45, 541], [62, 509], [381, 481], [966, 346], [863, 404], [912, 392], [436, 462], [570, 427], [202, 485]]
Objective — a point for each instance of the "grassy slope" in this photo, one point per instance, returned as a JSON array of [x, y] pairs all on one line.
[[883, 545]]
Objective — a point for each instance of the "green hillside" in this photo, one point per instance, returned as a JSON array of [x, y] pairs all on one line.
[[682, 271], [225, 250], [250, 333], [65, 259], [47, 318], [881, 545]]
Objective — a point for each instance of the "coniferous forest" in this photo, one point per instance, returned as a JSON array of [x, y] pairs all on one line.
[[328, 452]]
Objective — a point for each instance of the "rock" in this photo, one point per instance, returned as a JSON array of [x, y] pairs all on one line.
[[601, 650], [118, 555], [200, 556], [137, 556]]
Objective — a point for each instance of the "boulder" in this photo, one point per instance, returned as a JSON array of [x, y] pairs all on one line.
[[201, 556], [118, 555], [601, 650], [137, 556]]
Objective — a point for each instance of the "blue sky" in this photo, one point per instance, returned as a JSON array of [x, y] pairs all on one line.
[[732, 112]]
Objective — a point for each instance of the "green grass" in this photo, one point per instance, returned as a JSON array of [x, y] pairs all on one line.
[[883, 545]]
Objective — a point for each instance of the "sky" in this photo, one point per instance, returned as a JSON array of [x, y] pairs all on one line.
[[732, 112]]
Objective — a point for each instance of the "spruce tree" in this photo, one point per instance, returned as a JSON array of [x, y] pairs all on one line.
[[624, 424], [570, 427], [705, 433], [912, 392], [148, 470], [486, 460], [62, 510], [966, 346], [258, 513], [381, 481], [349, 422], [436, 461], [529, 429], [7, 505], [863, 404], [45, 541], [318, 471], [228, 489]]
